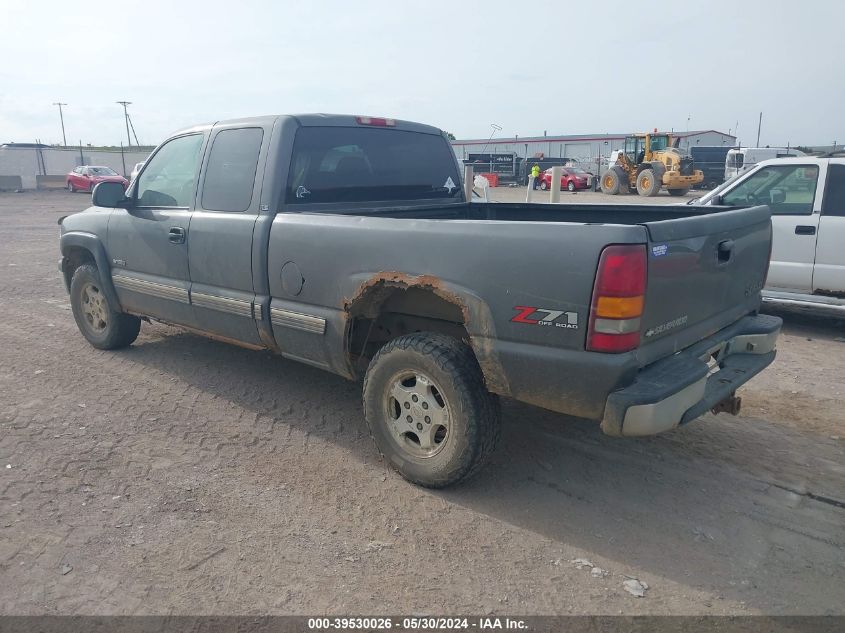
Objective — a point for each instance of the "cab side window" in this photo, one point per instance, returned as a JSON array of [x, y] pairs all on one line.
[[230, 175], [170, 176], [786, 189], [834, 195]]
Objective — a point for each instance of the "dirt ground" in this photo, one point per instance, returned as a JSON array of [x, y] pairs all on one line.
[[185, 476]]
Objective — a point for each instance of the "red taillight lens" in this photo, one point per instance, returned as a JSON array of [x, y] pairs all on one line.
[[618, 299], [377, 121]]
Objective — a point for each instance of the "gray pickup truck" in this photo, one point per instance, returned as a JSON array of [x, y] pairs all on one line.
[[347, 243]]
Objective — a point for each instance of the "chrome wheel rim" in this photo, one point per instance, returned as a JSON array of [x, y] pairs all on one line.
[[94, 308], [418, 414]]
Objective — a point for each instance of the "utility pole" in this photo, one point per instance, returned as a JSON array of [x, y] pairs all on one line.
[[126, 120], [62, 119], [759, 125]]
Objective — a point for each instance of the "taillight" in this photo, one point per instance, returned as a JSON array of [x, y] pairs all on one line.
[[377, 121], [618, 299]]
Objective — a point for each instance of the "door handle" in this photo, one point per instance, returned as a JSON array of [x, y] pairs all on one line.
[[176, 235], [725, 250], [803, 229]]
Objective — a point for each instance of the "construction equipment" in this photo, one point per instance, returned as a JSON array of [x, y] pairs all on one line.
[[649, 162]]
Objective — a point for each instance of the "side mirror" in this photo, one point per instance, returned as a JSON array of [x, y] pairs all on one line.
[[777, 196], [111, 195]]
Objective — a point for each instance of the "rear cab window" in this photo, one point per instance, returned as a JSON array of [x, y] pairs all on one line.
[[834, 195], [366, 164]]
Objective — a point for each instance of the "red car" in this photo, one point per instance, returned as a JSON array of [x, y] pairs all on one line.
[[85, 178], [571, 179]]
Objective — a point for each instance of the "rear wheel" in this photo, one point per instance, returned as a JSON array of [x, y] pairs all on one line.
[[571, 186], [100, 325], [647, 183], [428, 409], [612, 183], [678, 192]]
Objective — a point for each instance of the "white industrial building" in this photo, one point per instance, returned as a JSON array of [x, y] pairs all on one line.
[[585, 148]]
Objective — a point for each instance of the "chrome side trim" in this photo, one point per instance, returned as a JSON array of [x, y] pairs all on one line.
[[821, 303], [162, 291], [238, 307], [298, 321], [257, 312]]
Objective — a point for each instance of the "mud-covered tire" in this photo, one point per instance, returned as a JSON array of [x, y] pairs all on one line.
[[678, 192], [101, 326], [647, 183], [612, 182], [428, 374]]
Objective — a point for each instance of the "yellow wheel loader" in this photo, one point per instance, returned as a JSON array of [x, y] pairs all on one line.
[[649, 162]]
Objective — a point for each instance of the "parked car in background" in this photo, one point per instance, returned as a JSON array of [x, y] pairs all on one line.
[[571, 179], [86, 177], [135, 171], [807, 199]]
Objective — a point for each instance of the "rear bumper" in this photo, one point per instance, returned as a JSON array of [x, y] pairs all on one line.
[[680, 388]]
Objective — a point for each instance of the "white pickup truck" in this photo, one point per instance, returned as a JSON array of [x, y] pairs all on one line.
[[807, 198]]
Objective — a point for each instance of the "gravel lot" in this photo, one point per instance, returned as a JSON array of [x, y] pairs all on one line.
[[183, 475]]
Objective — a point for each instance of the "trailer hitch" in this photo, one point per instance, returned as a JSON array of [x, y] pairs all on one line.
[[732, 404]]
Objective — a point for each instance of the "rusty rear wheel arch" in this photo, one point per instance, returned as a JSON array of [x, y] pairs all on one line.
[[389, 304], [385, 312]]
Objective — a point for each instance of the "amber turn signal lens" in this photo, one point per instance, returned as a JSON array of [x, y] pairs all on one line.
[[619, 307]]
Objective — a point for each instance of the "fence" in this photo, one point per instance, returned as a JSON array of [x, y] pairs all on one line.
[[28, 163]]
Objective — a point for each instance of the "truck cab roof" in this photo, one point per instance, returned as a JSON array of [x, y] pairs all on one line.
[[319, 120]]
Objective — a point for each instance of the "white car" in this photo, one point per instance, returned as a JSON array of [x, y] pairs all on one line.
[[807, 198]]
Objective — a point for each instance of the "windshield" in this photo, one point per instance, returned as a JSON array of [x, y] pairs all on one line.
[[706, 198], [366, 164], [101, 171]]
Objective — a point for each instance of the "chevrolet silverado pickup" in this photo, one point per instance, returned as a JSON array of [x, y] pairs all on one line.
[[346, 243], [807, 197]]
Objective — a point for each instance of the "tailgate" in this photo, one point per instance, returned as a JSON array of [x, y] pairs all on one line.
[[704, 273]]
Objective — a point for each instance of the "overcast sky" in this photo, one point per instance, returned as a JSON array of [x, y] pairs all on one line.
[[564, 67]]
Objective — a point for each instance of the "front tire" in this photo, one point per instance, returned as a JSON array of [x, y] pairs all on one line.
[[70, 187], [101, 326], [647, 183], [571, 186], [543, 185], [428, 410]]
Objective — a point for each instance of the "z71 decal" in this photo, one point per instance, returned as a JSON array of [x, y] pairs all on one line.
[[542, 316]]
